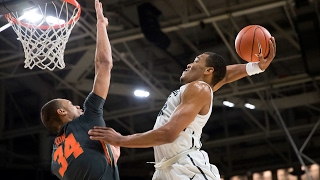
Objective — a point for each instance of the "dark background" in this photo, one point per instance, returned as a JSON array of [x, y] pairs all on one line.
[[153, 41]]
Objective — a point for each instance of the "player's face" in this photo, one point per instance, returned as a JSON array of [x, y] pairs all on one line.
[[195, 70], [73, 111]]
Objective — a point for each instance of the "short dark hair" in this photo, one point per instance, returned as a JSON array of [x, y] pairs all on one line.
[[49, 115], [219, 64]]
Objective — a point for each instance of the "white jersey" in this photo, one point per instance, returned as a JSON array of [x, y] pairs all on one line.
[[194, 165]]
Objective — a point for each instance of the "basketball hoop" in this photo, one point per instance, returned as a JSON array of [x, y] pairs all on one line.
[[44, 40]]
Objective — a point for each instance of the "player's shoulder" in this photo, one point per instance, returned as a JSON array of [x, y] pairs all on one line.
[[200, 86]]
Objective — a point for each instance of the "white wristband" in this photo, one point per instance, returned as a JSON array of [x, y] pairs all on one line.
[[253, 68]]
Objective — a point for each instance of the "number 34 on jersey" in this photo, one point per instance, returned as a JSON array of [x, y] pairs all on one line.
[[71, 147]]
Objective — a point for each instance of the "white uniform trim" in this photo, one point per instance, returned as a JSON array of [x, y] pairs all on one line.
[[164, 163]]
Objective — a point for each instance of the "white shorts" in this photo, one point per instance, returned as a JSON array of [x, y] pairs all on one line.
[[195, 166]]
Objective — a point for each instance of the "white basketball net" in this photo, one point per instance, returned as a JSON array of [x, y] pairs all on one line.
[[44, 41]]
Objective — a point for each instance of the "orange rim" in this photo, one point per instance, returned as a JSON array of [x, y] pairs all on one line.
[[43, 27]]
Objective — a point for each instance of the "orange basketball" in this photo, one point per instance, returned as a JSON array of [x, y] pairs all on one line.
[[246, 42]]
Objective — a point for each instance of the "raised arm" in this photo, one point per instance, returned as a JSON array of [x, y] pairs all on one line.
[[238, 71], [103, 57]]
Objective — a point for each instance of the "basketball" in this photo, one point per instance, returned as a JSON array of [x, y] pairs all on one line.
[[247, 42]]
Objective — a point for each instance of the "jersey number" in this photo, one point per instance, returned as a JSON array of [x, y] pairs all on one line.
[[71, 146]]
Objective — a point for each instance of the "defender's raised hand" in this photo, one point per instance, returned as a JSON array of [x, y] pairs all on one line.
[[99, 12]]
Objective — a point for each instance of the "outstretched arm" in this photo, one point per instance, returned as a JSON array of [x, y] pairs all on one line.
[[181, 118], [103, 56], [238, 71]]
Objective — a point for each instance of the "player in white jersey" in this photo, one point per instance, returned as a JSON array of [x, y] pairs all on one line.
[[190, 163], [177, 131]]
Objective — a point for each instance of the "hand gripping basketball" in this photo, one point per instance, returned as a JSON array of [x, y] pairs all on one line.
[[264, 62]]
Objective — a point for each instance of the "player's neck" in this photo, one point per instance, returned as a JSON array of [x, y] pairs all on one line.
[[207, 79]]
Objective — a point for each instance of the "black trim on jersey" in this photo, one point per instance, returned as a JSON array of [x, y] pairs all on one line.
[[192, 140], [203, 158], [192, 177], [197, 167]]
